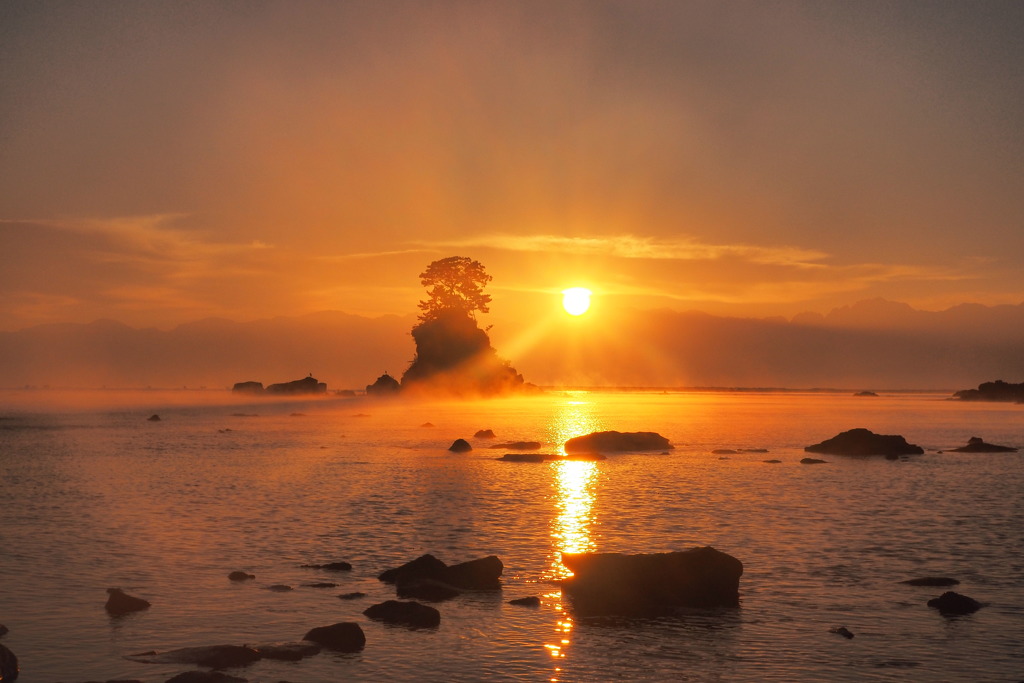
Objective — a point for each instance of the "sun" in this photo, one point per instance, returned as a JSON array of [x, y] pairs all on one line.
[[576, 300]]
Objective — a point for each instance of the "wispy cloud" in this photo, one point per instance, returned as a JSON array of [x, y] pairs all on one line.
[[634, 247]]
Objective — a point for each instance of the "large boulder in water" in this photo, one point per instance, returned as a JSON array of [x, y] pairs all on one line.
[[480, 574], [345, 636], [651, 584], [951, 603], [386, 385], [8, 665], [423, 567], [613, 442], [977, 445], [412, 614], [306, 385], [862, 441]]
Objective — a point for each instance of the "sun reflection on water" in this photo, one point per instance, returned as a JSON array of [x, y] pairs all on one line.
[[574, 484]]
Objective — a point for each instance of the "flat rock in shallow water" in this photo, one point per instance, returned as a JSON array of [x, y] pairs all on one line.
[[426, 589], [614, 442], [812, 461], [547, 457], [330, 566], [862, 441], [411, 614], [530, 601], [932, 581], [518, 445], [345, 636], [977, 445], [241, 576], [952, 604], [651, 584], [213, 656], [351, 596], [287, 652]]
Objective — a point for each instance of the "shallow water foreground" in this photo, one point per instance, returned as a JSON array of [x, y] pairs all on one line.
[[94, 498]]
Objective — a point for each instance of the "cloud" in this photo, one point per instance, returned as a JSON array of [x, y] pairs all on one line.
[[633, 247]]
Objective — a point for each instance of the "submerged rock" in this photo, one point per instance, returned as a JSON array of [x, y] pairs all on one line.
[[241, 576], [119, 602], [952, 604], [412, 614], [8, 665], [280, 588], [724, 451], [213, 656], [518, 445], [345, 636], [773, 461], [651, 584], [613, 442], [977, 445], [426, 589], [843, 631], [351, 596], [288, 651], [546, 457], [932, 581], [153, 418], [530, 601], [812, 461], [460, 446], [330, 566], [321, 584], [205, 677], [862, 441]]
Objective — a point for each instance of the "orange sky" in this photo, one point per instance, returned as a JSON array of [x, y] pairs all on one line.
[[165, 162]]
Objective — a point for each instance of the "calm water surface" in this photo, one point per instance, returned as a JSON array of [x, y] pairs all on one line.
[[102, 497]]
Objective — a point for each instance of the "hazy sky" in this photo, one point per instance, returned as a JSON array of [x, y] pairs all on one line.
[[167, 161]]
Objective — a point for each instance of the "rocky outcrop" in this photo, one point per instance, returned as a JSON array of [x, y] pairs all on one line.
[[247, 388], [999, 390], [306, 385], [241, 576], [345, 636], [8, 665], [518, 445], [386, 385], [953, 604], [862, 441], [651, 584], [977, 445], [480, 574], [484, 434], [460, 446], [412, 614], [615, 442], [119, 602], [812, 461]]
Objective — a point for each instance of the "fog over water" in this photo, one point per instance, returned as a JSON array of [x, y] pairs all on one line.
[[95, 495]]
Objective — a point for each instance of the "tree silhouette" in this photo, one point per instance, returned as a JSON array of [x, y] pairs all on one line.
[[454, 284]]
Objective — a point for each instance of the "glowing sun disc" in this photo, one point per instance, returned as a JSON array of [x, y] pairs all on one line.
[[576, 300]]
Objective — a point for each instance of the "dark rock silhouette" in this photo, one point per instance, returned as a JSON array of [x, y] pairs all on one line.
[[340, 566], [241, 576], [931, 581], [865, 393], [773, 461], [280, 588], [484, 434], [480, 574], [153, 418], [724, 451], [993, 391], [345, 636], [426, 589], [546, 457], [8, 665], [119, 602], [247, 388], [351, 596], [612, 442], [454, 356], [518, 445], [812, 461], [952, 604], [530, 601], [412, 614], [977, 445], [322, 584], [386, 385], [213, 656], [3, 630], [205, 677], [651, 584], [460, 446], [843, 631], [288, 651], [306, 385], [862, 441]]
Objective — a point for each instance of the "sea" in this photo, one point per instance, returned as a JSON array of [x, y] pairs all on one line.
[[94, 494]]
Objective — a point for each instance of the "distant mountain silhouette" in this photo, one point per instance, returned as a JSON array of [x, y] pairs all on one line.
[[870, 345]]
